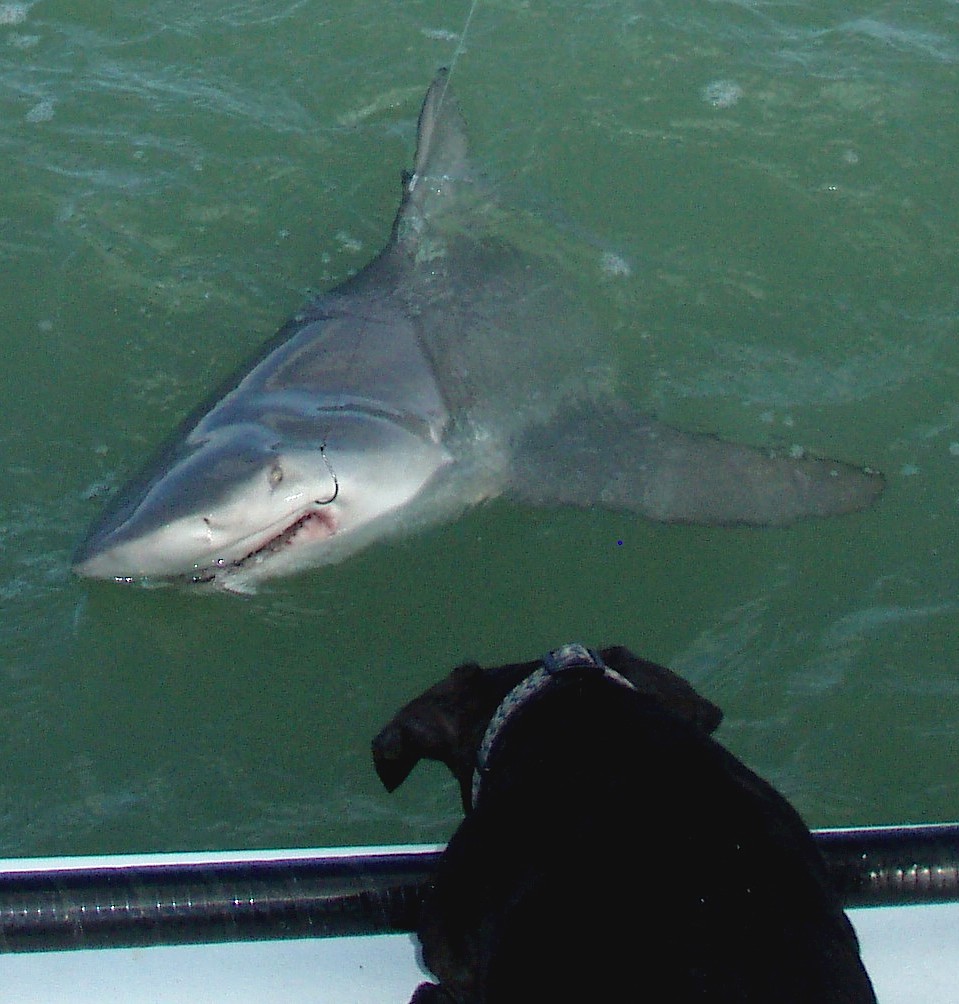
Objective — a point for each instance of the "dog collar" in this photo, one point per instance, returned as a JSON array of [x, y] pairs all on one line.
[[555, 664]]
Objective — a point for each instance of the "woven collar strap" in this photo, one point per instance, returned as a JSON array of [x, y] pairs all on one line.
[[555, 664]]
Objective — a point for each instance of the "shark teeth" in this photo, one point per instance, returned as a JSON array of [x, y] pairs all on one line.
[[312, 523]]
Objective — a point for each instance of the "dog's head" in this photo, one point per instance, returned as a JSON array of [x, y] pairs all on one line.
[[447, 722]]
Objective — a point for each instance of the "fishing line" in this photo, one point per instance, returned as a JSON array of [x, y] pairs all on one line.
[[461, 45], [457, 52], [454, 59]]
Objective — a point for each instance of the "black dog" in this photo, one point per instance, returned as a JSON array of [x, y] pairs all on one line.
[[611, 849]]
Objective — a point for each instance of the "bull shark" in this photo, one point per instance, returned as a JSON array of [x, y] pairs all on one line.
[[455, 367]]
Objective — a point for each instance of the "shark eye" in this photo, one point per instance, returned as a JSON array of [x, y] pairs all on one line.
[[275, 476]]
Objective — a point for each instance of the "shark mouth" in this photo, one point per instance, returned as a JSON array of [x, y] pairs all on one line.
[[311, 526]]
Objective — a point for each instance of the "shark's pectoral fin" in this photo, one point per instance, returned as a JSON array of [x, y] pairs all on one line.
[[614, 458]]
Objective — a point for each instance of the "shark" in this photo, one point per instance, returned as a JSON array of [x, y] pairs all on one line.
[[456, 367]]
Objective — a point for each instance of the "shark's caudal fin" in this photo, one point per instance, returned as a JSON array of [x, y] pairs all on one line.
[[614, 458]]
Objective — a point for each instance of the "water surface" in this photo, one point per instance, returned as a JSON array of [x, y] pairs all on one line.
[[763, 197]]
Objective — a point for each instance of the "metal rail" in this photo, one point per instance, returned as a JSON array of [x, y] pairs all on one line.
[[120, 904]]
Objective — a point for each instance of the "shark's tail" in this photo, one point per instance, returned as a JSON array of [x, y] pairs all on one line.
[[441, 167]]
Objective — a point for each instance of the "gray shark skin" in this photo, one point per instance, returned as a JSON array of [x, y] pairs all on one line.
[[454, 368]]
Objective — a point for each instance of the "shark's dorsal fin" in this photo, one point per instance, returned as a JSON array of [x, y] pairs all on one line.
[[441, 165], [441, 148]]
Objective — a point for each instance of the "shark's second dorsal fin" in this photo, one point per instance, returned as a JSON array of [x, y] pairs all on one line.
[[441, 165]]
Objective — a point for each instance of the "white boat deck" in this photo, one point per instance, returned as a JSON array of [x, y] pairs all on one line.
[[911, 953]]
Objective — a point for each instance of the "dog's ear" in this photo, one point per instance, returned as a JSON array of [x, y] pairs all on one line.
[[437, 725], [664, 686], [393, 754]]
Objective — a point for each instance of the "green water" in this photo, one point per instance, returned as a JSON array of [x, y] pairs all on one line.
[[781, 182]]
